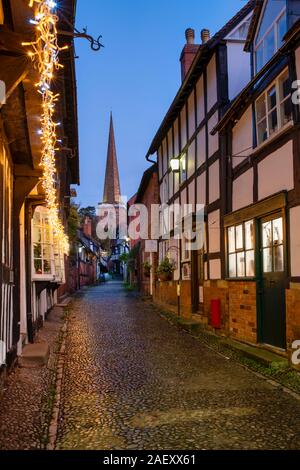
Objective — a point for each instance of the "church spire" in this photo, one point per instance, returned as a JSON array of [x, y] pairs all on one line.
[[112, 192]]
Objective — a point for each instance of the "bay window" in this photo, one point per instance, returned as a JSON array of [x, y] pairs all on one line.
[[274, 108], [48, 257], [240, 247], [271, 32]]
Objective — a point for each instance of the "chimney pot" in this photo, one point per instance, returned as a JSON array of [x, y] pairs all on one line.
[[205, 36], [190, 36]]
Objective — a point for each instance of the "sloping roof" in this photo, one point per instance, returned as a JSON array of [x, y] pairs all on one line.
[[254, 22], [192, 76], [144, 183], [242, 100]]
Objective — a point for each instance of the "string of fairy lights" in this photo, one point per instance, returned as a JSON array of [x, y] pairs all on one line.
[[44, 51]]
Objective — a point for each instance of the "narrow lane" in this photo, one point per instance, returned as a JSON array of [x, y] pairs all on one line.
[[133, 381]]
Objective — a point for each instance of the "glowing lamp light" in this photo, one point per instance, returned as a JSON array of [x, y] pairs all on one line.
[[175, 164], [45, 52]]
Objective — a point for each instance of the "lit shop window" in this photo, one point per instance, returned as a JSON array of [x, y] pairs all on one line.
[[42, 245], [48, 257], [273, 246], [274, 108], [241, 258]]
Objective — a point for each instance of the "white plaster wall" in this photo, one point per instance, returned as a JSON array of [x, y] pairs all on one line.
[[295, 241], [176, 183], [160, 163], [214, 232], [276, 172], [242, 194], [242, 138], [176, 139], [200, 100], [239, 71], [170, 144], [201, 189], [171, 185], [215, 269], [201, 147], [183, 127], [165, 156], [212, 95], [192, 194], [213, 140], [23, 304], [191, 159], [183, 198], [214, 182], [191, 114]]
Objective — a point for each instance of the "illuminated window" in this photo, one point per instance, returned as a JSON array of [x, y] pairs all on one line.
[[272, 29], [273, 108], [48, 257], [1, 13], [241, 258]]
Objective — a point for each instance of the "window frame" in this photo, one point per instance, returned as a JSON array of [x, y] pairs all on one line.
[[275, 28], [56, 251], [244, 250], [268, 112]]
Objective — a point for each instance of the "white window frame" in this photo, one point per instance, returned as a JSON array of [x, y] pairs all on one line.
[[242, 250], [279, 103], [274, 26], [57, 273]]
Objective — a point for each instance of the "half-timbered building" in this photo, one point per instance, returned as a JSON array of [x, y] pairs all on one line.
[[261, 233], [213, 73], [32, 265]]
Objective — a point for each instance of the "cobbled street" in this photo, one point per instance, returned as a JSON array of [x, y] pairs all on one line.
[[134, 381]]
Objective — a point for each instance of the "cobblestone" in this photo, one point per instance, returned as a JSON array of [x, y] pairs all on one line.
[[133, 381], [25, 405]]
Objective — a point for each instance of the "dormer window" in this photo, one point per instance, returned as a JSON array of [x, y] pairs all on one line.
[[273, 27], [274, 108]]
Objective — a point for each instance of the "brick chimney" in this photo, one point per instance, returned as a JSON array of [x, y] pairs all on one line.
[[205, 36], [189, 52], [87, 227]]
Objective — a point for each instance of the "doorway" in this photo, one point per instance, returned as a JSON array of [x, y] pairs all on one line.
[[272, 281]]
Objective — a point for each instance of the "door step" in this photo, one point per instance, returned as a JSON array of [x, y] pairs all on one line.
[[35, 355]]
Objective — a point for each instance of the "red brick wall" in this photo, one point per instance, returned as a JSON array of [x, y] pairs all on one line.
[[293, 314], [216, 290], [165, 294], [242, 311]]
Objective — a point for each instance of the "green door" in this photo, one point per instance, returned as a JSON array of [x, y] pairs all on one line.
[[273, 281]]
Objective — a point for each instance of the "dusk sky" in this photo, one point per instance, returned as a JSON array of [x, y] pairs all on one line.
[[136, 76]]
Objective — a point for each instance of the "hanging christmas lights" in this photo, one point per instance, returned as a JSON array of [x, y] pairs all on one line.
[[45, 53]]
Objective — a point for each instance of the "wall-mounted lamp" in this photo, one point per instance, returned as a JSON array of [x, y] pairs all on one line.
[[175, 165]]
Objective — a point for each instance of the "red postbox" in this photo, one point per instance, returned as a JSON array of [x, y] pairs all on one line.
[[216, 321]]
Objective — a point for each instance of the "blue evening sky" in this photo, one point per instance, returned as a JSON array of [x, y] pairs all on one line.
[[136, 76]]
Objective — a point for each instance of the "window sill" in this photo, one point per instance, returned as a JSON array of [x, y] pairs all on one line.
[[241, 279], [43, 278], [274, 136]]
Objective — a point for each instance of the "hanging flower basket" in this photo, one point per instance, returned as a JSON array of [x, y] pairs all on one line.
[[165, 270]]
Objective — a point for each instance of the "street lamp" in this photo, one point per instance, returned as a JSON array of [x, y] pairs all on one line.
[[175, 165]]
